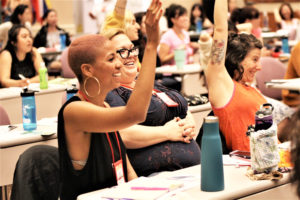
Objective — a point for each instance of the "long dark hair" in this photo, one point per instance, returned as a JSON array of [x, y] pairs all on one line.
[[174, 11], [19, 10], [240, 15], [13, 39], [192, 17], [290, 7], [47, 13], [238, 46]]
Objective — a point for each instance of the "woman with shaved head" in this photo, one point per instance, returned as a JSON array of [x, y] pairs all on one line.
[[92, 154]]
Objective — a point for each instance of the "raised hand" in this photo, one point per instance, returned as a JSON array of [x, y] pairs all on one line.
[[153, 15]]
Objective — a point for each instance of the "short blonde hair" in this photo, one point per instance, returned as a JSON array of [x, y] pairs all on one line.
[[112, 19]]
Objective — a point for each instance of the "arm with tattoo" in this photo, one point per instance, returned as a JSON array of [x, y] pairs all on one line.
[[217, 52]]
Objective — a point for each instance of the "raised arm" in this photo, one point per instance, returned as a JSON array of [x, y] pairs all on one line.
[[117, 18], [220, 84], [91, 118]]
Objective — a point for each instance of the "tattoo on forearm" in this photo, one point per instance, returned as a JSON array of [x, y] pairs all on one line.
[[217, 51]]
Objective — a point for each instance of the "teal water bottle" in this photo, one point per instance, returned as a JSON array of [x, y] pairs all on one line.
[[212, 175], [285, 45], [28, 110], [43, 74]]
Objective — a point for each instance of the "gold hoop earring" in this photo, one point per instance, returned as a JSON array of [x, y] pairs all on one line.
[[84, 86]]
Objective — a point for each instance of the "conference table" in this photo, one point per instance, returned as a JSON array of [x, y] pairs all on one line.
[[186, 70], [48, 101], [14, 141], [237, 186]]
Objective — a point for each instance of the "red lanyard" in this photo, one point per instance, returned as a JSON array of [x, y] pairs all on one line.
[[112, 151], [83, 95], [110, 145]]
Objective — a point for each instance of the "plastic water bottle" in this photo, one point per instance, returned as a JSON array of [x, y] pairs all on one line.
[[71, 92], [28, 110], [212, 175], [43, 74], [62, 41], [285, 45], [199, 25]]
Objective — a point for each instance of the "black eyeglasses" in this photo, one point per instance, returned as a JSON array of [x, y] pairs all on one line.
[[125, 53]]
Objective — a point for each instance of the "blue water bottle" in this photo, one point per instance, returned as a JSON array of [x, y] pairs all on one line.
[[199, 25], [28, 110], [285, 45], [71, 91], [62, 41], [212, 175]]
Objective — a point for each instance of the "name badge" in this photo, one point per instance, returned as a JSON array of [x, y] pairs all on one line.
[[118, 167], [166, 99]]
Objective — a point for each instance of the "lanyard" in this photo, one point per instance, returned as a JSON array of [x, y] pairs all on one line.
[[83, 95], [112, 150], [107, 136]]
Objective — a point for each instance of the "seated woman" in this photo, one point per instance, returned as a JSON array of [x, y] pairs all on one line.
[[21, 15], [229, 74], [176, 36], [19, 59], [287, 20], [49, 36], [92, 154], [197, 13], [168, 130], [242, 16]]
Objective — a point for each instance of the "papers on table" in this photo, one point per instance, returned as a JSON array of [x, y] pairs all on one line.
[[162, 186], [227, 160]]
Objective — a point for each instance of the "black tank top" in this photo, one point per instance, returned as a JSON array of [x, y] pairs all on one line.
[[98, 172], [24, 67]]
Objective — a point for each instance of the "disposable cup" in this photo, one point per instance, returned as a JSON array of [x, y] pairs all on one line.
[[179, 57]]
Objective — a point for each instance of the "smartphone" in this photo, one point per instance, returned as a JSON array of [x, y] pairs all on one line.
[[241, 154]]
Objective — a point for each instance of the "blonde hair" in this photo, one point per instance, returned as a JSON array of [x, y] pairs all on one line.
[[112, 21], [112, 32]]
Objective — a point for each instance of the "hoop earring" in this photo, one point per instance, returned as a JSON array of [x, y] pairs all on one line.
[[84, 86]]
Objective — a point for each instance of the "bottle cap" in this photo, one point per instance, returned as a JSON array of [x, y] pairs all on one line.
[[211, 119], [27, 93]]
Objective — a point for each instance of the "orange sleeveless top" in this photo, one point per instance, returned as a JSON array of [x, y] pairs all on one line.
[[238, 114]]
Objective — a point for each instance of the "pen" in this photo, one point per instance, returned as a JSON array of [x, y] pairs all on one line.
[[23, 77], [149, 188]]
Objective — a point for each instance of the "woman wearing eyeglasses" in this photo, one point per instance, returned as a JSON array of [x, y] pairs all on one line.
[[164, 141]]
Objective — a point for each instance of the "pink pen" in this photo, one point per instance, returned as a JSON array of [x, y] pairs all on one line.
[[149, 188]]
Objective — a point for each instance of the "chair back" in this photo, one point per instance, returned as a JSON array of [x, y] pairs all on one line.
[[272, 68], [4, 119], [66, 70]]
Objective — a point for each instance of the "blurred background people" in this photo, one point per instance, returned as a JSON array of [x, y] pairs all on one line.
[[100, 9], [19, 58], [197, 13], [21, 15], [49, 36], [287, 20]]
